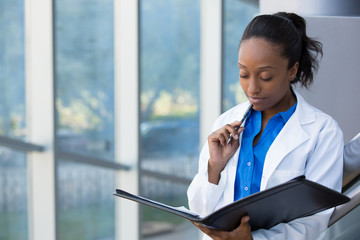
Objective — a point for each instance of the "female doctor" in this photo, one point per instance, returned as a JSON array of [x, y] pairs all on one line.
[[283, 136]]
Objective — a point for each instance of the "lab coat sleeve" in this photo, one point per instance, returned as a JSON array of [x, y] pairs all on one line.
[[325, 166], [203, 196]]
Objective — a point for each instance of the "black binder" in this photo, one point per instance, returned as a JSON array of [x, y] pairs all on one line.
[[296, 198]]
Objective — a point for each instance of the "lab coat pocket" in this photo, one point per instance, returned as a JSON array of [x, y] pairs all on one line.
[[281, 176]]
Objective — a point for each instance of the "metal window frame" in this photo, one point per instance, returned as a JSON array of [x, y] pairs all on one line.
[[40, 118], [340, 211], [210, 65], [94, 161], [20, 145], [126, 89]]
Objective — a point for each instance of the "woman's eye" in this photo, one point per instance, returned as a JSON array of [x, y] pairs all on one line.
[[243, 76], [266, 79]]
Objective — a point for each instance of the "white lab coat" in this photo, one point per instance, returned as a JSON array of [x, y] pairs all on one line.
[[310, 144]]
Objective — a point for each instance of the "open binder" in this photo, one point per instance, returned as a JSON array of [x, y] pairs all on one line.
[[296, 198]]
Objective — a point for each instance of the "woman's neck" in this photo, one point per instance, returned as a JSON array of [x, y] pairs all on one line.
[[282, 106]]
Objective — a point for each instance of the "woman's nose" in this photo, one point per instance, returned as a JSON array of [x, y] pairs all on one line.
[[254, 86]]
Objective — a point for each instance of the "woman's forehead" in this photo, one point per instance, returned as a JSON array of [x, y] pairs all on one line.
[[260, 51]]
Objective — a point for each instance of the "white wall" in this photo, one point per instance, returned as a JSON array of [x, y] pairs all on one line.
[[312, 7], [337, 84], [336, 88]]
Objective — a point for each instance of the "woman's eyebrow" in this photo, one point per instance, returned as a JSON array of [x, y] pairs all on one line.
[[240, 65], [261, 68]]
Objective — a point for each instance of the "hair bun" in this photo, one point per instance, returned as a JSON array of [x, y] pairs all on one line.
[[295, 19]]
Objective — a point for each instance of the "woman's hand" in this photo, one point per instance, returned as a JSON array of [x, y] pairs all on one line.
[[242, 232], [220, 151]]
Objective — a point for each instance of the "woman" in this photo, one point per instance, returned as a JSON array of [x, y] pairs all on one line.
[[283, 137]]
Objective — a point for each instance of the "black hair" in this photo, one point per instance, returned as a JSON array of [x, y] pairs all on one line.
[[289, 31]]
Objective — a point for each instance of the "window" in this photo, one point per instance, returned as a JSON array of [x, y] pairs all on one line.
[[85, 202], [236, 15], [13, 190], [169, 128], [13, 166], [84, 72], [84, 76]]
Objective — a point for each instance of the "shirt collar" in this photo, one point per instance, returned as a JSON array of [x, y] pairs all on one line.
[[286, 115], [281, 115]]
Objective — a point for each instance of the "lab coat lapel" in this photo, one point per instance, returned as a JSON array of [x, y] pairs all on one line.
[[289, 138]]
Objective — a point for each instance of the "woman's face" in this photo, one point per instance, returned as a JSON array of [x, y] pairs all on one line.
[[264, 76]]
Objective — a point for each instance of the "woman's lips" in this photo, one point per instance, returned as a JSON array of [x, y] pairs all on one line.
[[256, 100]]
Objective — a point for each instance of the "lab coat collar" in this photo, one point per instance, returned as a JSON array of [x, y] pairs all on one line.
[[285, 141]]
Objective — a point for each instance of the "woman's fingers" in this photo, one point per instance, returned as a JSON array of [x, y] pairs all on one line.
[[231, 128], [234, 129], [214, 234], [223, 134], [218, 136], [242, 232]]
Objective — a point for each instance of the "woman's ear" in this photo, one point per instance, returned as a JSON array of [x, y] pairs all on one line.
[[293, 71]]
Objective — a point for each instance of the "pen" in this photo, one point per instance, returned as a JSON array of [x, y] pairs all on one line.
[[242, 121]]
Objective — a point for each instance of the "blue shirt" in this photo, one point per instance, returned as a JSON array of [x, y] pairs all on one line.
[[251, 158]]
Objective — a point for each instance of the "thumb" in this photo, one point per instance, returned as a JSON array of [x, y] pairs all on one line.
[[245, 219], [244, 225]]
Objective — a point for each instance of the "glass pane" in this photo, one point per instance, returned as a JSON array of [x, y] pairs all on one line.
[[159, 225], [12, 69], [13, 169], [346, 228], [13, 195], [169, 80], [237, 15], [85, 202], [84, 72]]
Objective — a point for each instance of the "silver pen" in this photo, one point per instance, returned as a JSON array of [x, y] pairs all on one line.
[[242, 121]]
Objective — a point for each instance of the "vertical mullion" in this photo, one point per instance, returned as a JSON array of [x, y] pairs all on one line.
[[210, 68], [210, 65], [40, 118], [126, 115]]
